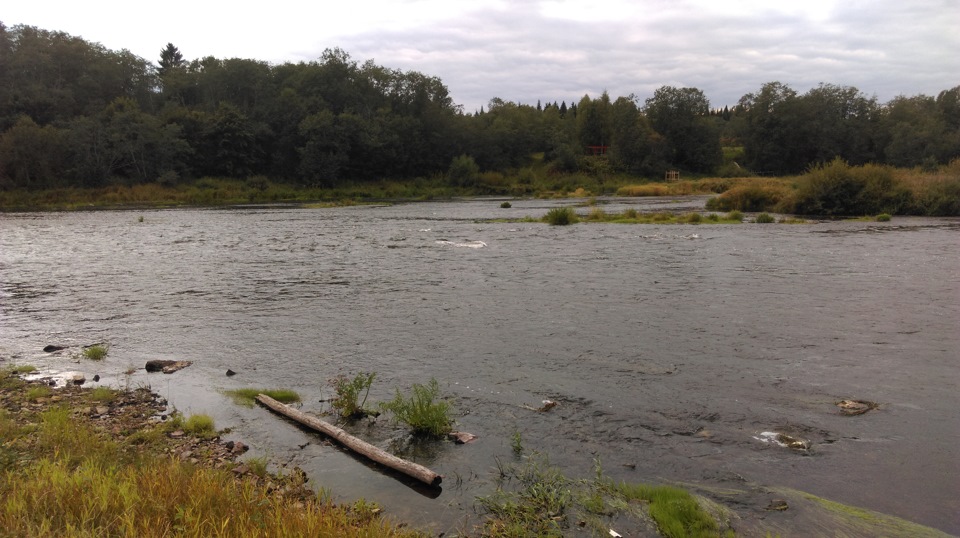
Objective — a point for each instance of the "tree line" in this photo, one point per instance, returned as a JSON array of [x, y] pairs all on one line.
[[73, 113]]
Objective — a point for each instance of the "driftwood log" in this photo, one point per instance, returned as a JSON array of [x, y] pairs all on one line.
[[408, 468]]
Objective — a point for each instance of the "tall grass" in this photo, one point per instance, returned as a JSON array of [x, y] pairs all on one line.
[[247, 396], [561, 216]]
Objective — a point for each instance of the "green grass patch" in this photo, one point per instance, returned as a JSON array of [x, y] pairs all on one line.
[[764, 218], [36, 392], [200, 425], [676, 512], [23, 369], [96, 352], [561, 216], [248, 396], [422, 410], [103, 394], [883, 217]]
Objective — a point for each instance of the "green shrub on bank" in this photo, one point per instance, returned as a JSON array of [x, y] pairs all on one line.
[[423, 411], [561, 216], [764, 218], [96, 352], [754, 195], [347, 401], [838, 189]]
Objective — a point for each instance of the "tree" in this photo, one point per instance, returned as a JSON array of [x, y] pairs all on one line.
[[170, 59], [31, 156], [680, 115]]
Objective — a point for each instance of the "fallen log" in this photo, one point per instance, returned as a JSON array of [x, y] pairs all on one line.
[[408, 468]]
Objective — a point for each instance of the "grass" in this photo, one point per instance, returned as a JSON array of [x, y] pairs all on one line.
[[883, 217], [246, 397], [533, 498], [200, 426], [764, 218], [96, 352], [347, 401], [23, 369], [632, 216], [561, 216], [103, 394], [62, 474], [36, 392], [423, 411]]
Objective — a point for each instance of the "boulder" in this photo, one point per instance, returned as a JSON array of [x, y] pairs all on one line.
[[166, 366], [51, 348]]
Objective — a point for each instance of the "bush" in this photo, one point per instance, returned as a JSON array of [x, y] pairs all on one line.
[[561, 216], [506, 205], [883, 217], [837, 189], [347, 402], [764, 218], [95, 352], [735, 215], [420, 411], [463, 172], [758, 195], [200, 425]]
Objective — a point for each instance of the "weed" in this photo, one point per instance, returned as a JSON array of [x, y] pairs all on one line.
[[516, 443], [561, 216], [347, 402], [96, 352], [103, 394], [764, 218], [422, 411], [258, 466], [200, 425], [536, 506], [246, 397], [38, 391]]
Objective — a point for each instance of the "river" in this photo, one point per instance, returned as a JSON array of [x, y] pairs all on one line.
[[670, 349]]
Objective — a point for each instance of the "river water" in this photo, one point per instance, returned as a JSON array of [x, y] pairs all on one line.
[[670, 349]]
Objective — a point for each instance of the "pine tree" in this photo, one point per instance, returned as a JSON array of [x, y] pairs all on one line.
[[170, 58]]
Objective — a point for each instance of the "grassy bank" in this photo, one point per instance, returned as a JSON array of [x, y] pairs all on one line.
[[78, 462]]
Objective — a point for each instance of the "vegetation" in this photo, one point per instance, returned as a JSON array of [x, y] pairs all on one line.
[[248, 396], [505, 205], [423, 411], [561, 216], [96, 352], [764, 218], [200, 426], [883, 217], [535, 499], [64, 475], [347, 401], [81, 124]]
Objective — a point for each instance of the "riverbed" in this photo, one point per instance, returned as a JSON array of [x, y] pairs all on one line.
[[671, 350]]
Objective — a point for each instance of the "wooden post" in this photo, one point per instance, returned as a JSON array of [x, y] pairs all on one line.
[[408, 468]]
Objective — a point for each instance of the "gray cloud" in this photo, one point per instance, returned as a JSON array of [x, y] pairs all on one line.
[[884, 48]]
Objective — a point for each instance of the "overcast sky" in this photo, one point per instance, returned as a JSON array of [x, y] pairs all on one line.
[[555, 50]]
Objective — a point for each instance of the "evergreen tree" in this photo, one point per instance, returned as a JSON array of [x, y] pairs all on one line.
[[170, 58]]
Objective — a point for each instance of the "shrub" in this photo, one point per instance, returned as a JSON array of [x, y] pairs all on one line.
[[95, 352], [756, 195], [347, 402], [883, 217], [630, 213], [200, 425], [506, 205], [561, 216], [422, 411], [735, 215], [837, 189], [694, 218], [463, 171], [764, 218]]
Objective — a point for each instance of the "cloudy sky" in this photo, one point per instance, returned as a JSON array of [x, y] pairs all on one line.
[[555, 50]]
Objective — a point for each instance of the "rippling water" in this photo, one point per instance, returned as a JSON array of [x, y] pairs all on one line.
[[669, 348]]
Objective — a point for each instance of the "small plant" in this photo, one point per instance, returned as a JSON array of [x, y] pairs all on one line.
[[422, 411], [764, 218], [200, 425], [103, 394], [246, 397], [516, 443], [140, 218], [883, 217], [347, 402], [630, 213], [561, 216], [735, 215], [96, 352], [24, 369], [38, 391], [258, 466], [694, 218], [713, 217], [506, 205]]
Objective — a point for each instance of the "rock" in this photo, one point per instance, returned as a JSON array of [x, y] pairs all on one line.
[[547, 405], [231, 373], [241, 469], [102, 410], [855, 407], [166, 366], [96, 377], [777, 504], [462, 438], [177, 434], [51, 348], [239, 448], [78, 378]]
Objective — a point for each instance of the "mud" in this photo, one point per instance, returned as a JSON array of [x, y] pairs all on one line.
[[669, 350]]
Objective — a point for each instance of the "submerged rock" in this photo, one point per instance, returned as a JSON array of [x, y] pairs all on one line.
[[51, 348], [462, 438], [166, 366], [855, 407]]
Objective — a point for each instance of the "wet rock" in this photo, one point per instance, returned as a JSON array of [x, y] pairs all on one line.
[[166, 366], [96, 377], [855, 407], [78, 378], [778, 505], [241, 469], [784, 440], [237, 447], [231, 373], [51, 348], [462, 438]]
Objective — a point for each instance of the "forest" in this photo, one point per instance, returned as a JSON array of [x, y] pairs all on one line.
[[75, 114]]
